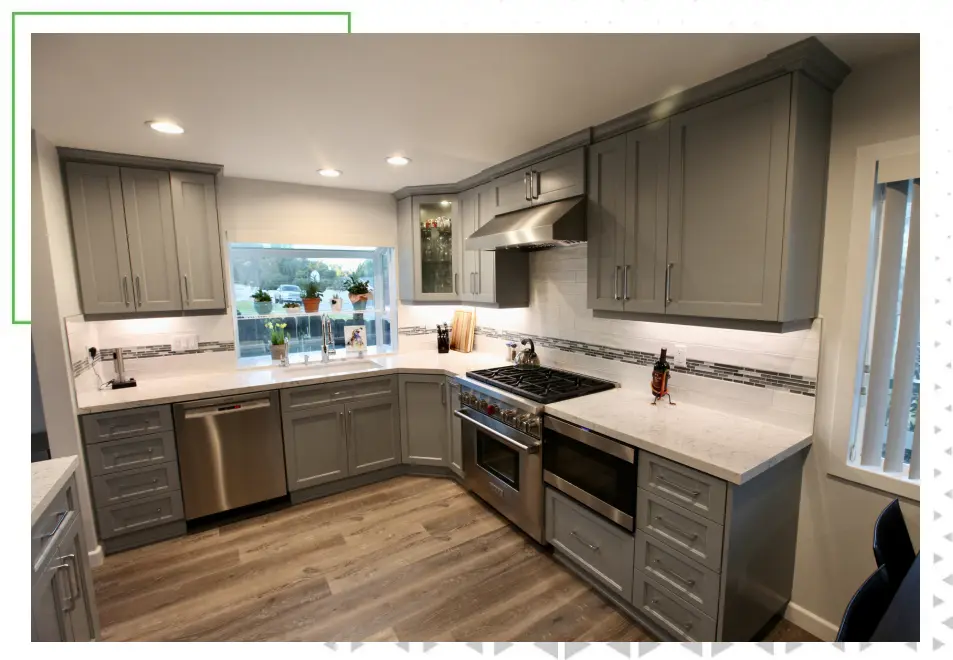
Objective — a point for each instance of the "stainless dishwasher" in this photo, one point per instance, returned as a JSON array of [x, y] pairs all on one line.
[[230, 452]]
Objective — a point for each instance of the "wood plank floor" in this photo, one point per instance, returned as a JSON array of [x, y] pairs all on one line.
[[409, 559]]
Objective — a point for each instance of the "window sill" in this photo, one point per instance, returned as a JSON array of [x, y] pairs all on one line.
[[314, 357], [873, 477]]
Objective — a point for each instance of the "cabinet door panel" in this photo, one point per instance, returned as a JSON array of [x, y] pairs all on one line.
[[560, 177], [435, 253], [726, 204], [425, 433], [646, 223], [511, 192], [99, 237], [606, 224], [147, 200], [72, 553], [50, 621], [197, 240], [315, 446], [485, 260], [469, 214], [373, 435]]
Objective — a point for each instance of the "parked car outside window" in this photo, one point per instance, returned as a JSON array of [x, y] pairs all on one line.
[[288, 293]]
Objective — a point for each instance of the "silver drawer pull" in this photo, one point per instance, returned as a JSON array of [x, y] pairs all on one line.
[[60, 517], [672, 527], [693, 493], [685, 626], [73, 578], [668, 570], [594, 548], [130, 454]]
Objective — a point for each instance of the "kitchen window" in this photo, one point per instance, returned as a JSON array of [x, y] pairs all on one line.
[[878, 401], [284, 273]]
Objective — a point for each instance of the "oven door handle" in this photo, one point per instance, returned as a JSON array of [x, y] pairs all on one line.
[[519, 446]]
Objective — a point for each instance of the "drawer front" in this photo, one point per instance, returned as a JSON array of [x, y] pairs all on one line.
[[126, 423], [671, 613], [139, 514], [695, 584], [699, 538], [301, 398], [108, 457], [53, 520], [604, 550], [126, 485], [694, 490]]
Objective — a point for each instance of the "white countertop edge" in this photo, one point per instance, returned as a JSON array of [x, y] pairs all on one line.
[[47, 478], [700, 464]]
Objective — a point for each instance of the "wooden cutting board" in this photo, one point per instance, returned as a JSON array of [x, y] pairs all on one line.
[[462, 330]]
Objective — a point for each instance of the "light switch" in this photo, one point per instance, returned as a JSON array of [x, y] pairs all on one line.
[[182, 343], [681, 355]]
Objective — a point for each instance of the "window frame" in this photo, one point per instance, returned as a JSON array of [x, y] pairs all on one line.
[[895, 160]]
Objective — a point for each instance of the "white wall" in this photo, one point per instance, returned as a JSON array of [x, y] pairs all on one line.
[[875, 104], [54, 267], [37, 423]]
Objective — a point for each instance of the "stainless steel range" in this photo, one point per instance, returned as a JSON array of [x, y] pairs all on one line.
[[501, 413]]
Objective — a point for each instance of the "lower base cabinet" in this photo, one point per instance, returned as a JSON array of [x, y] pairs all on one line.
[[424, 412], [456, 429], [331, 442]]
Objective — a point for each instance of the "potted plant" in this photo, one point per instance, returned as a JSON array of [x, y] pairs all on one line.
[[262, 302], [278, 339], [312, 298], [358, 292], [335, 303], [292, 308]]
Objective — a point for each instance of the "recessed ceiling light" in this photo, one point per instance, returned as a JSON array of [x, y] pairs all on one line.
[[398, 160], [445, 203], [329, 172], [165, 127]]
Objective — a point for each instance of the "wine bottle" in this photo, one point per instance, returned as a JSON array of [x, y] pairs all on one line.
[[660, 376]]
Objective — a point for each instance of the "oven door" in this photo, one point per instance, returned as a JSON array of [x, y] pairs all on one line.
[[592, 469], [503, 466]]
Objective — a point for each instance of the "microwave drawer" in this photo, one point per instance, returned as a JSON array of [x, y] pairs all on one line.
[[689, 533], [602, 549], [696, 491]]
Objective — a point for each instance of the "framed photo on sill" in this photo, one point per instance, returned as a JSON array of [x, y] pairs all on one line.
[[355, 339]]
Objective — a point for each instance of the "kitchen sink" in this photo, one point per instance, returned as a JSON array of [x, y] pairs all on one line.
[[339, 367]]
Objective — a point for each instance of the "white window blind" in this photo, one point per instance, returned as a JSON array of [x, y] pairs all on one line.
[[886, 432]]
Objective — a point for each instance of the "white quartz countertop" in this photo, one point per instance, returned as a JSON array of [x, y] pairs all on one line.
[[729, 447], [188, 387], [46, 480]]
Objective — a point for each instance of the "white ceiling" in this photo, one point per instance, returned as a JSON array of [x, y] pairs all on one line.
[[279, 107]]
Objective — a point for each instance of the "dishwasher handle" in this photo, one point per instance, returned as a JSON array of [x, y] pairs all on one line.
[[227, 408]]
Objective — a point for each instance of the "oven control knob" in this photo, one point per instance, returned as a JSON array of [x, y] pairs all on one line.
[[492, 410], [482, 403], [508, 415]]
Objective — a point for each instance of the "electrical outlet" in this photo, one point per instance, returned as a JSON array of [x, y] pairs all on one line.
[[681, 355], [182, 343]]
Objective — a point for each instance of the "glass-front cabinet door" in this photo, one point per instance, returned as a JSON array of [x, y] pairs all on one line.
[[437, 242]]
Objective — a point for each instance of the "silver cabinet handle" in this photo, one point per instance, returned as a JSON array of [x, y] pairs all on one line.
[[527, 187], [443, 393], [130, 454], [72, 577], [534, 184], [456, 289], [693, 493], [188, 300], [125, 290], [615, 283], [594, 548], [625, 282], [668, 283], [688, 581], [69, 598], [678, 530], [138, 293], [60, 517]]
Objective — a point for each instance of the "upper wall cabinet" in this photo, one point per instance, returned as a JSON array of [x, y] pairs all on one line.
[[553, 179], [146, 241], [717, 212]]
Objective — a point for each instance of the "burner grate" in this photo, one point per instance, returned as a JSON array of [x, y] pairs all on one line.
[[541, 384]]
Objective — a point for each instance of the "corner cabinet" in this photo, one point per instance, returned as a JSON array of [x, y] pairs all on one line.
[[424, 420], [717, 211], [146, 240], [435, 243]]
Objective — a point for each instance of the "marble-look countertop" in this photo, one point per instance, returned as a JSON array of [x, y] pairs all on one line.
[[173, 389], [729, 447], [47, 479]]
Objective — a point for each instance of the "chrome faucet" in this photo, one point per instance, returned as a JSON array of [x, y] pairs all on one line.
[[327, 347]]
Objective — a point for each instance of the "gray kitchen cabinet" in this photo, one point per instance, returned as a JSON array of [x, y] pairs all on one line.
[[627, 221], [456, 429], [373, 434], [197, 241], [511, 192], [50, 622], [436, 235], [405, 249], [469, 205], [425, 432], [99, 238], [150, 231], [81, 613], [550, 180], [316, 450]]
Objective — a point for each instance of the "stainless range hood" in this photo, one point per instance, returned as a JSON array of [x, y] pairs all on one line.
[[535, 228]]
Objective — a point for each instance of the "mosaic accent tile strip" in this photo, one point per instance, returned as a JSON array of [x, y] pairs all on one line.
[[165, 350], [413, 330], [771, 380]]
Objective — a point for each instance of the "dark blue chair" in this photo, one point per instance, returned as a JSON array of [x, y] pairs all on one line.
[[866, 608], [892, 546]]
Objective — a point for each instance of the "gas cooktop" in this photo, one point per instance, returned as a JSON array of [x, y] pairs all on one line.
[[541, 384]]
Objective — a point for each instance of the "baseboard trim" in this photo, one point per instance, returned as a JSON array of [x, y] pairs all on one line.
[[96, 556], [806, 619]]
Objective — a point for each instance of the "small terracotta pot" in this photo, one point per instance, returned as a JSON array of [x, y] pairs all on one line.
[[311, 304]]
